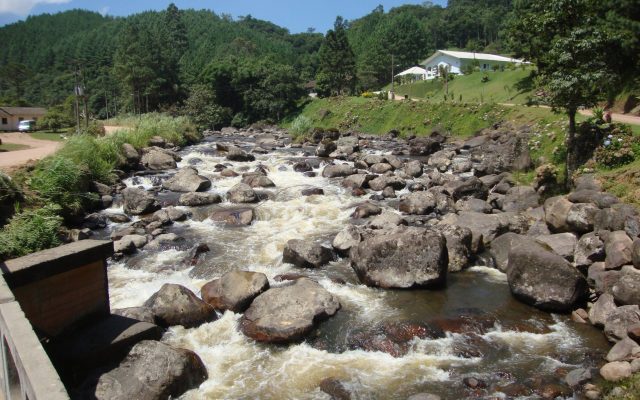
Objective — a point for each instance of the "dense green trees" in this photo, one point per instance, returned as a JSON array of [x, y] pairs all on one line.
[[337, 71]]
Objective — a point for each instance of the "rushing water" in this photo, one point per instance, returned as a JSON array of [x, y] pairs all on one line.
[[240, 368]]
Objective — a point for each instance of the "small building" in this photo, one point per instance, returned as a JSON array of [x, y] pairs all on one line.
[[412, 74], [10, 117], [457, 61]]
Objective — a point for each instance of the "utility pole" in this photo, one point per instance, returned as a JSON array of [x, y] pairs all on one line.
[[393, 93], [84, 101], [106, 103], [76, 91]]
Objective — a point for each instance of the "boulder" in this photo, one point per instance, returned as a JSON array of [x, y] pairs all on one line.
[[563, 244], [242, 193], [128, 244], [468, 188], [413, 168], [357, 181], [381, 168], [325, 148], [596, 197], [195, 199], [458, 241], [625, 350], [237, 154], [138, 201], [616, 371], [257, 180], [335, 389], [234, 217], [589, 249], [502, 245], [157, 159], [412, 257], [288, 313], [601, 309], [187, 180], [177, 305], [366, 210], [475, 205], [383, 181], [578, 377], [131, 156], [545, 280], [346, 239], [618, 248], [306, 254], [338, 170], [418, 203], [626, 289], [581, 217], [520, 198], [152, 371], [169, 215], [312, 192], [614, 218], [235, 290], [619, 321], [556, 212], [143, 314], [386, 220], [484, 227]]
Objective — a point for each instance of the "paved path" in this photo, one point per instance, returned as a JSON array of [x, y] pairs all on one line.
[[38, 149]]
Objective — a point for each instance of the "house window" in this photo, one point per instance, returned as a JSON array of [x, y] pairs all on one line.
[[4, 121], [485, 66]]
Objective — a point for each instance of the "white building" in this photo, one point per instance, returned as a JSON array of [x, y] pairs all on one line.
[[10, 117], [458, 60]]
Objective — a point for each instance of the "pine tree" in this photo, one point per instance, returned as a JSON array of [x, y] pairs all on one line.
[[337, 72]]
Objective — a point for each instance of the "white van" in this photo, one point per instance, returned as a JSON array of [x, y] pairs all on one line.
[[27, 125]]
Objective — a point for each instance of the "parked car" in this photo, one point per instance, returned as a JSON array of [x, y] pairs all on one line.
[[28, 125]]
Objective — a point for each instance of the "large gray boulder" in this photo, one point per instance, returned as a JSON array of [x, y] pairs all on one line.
[[469, 188], [410, 257], [177, 305], [235, 153], [618, 248], [614, 218], [556, 210], [242, 193], [484, 227], [187, 180], [601, 309], [306, 254], [234, 216], [357, 181], [589, 249], [152, 371], [626, 290], [338, 170], [288, 313], [520, 198], [502, 245], [413, 168], [581, 217], [458, 241], [418, 203], [138, 201], [545, 280], [131, 156], [346, 239], [383, 181], [619, 321], [563, 244], [257, 180], [157, 159], [196, 199], [235, 290]]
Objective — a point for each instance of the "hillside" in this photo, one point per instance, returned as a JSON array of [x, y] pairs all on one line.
[[509, 86]]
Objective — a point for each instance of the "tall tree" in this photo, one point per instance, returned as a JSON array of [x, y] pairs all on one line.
[[337, 72]]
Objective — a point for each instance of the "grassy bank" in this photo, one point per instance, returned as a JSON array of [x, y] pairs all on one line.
[[509, 86], [60, 187]]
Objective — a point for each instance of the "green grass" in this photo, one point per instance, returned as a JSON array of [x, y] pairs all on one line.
[[13, 147], [630, 389], [503, 87], [408, 117], [49, 135]]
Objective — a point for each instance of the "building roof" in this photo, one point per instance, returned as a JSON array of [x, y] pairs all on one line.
[[413, 71], [471, 56], [24, 110]]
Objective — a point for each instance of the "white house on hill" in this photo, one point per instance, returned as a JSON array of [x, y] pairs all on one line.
[[458, 60]]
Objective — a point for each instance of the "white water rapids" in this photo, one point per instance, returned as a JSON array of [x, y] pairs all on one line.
[[240, 368]]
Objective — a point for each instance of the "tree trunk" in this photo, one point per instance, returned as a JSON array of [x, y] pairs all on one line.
[[571, 148]]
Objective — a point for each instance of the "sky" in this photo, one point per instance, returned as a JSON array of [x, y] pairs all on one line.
[[295, 15]]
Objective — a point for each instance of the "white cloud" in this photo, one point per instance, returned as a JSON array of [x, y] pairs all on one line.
[[103, 11], [23, 7]]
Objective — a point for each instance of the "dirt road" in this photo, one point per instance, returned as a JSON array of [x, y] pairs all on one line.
[[622, 118], [38, 149]]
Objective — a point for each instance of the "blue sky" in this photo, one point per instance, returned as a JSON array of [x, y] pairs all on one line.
[[296, 15]]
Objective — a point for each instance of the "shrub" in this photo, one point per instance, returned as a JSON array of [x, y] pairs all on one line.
[[94, 128], [30, 231], [367, 95], [300, 126], [619, 147], [63, 182]]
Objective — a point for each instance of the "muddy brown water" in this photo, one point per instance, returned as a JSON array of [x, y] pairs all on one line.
[[511, 343]]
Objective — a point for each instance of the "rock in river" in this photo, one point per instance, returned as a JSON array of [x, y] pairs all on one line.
[[411, 257], [177, 305], [187, 180], [138, 201], [152, 371], [306, 254], [287, 313], [544, 279], [242, 193], [235, 290]]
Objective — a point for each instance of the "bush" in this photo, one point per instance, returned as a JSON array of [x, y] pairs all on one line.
[[367, 95], [300, 126], [63, 182], [30, 231], [94, 128], [619, 146]]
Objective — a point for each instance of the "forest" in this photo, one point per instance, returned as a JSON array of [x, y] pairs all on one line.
[[216, 68]]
